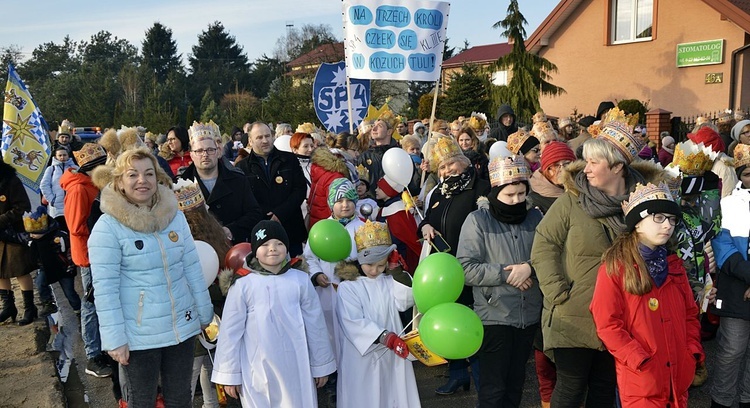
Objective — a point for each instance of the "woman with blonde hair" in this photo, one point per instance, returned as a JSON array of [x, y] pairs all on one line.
[[150, 294]]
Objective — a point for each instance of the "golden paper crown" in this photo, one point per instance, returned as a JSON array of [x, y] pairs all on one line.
[[741, 155], [372, 234], [506, 170], [307, 127], [389, 117], [443, 149], [477, 122], [646, 193], [36, 222], [617, 129], [200, 131], [725, 116], [693, 159], [539, 117], [88, 153], [594, 130], [363, 173], [516, 140], [189, 195]]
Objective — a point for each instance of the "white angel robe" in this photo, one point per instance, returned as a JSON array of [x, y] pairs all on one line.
[[370, 374], [328, 295], [273, 341]]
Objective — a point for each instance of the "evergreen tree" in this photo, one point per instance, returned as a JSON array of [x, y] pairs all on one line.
[[467, 92], [159, 52], [218, 63], [265, 70], [530, 73], [419, 88]]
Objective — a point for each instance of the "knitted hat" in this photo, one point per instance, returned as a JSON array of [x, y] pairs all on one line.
[[521, 142], [737, 129], [389, 187], [444, 148], [189, 195], [648, 199], [341, 188], [617, 130], [693, 159], [666, 141], [507, 170], [90, 156], [709, 138], [555, 152], [741, 155], [265, 231], [200, 131], [373, 242]]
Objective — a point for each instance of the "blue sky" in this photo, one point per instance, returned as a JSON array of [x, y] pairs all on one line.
[[256, 24]]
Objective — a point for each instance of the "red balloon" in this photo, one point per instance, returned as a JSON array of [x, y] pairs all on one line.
[[236, 255]]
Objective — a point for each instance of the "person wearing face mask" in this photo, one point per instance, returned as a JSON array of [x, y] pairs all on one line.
[[494, 249], [446, 208]]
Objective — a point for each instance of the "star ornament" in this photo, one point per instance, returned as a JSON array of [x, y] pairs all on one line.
[[339, 77], [334, 120], [20, 129]]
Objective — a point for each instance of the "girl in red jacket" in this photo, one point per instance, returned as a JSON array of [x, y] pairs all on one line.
[[643, 306]]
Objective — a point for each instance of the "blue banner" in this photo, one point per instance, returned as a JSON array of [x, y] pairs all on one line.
[[330, 98]]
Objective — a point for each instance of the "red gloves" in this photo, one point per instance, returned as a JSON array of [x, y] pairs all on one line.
[[394, 260], [393, 342]]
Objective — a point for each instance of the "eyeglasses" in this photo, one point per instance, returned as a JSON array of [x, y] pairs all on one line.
[[660, 218], [209, 151]]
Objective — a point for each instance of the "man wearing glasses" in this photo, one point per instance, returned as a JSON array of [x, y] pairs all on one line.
[[226, 189]]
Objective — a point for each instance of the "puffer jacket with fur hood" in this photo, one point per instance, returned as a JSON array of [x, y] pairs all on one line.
[[326, 167], [566, 254], [149, 286]]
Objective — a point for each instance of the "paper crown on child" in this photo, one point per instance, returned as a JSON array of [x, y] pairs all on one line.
[[36, 221], [693, 159], [90, 155], [443, 149], [539, 117], [372, 234], [189, 195], [520, 142], [617, 130], [200, 131], [507, 170], [741, 155], [65, 128], [648, 199], [477, 122]]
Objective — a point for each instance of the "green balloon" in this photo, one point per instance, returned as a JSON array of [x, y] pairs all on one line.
[[452, 331], [439, 278], [330, 241]]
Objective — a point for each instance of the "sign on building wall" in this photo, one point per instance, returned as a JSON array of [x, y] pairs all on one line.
[[700, 53], [394, 39]]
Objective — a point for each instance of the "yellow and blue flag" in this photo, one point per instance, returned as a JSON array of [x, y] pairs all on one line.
[[25, 141]]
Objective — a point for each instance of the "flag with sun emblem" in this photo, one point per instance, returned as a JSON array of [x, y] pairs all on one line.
[[330, 97], [25, 143]]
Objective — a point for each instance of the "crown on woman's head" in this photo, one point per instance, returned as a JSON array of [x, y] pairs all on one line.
[[617, 129], [200, 131], [372, 234]]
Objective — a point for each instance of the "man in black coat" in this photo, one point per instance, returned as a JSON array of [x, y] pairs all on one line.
[[278, 183], [227, 191], [372, 158], [507, 123]]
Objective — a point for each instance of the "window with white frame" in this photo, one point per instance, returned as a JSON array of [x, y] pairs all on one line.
[[632, 20], [500, 78]]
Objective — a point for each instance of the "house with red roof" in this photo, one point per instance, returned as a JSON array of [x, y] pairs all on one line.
[[481, 55]]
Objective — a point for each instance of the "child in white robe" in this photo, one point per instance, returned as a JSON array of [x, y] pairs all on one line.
[[273, 348], [373, 369]]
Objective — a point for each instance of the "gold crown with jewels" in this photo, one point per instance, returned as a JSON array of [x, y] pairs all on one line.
[[516, 140], [477, 122], [693, 159], [444, 148], [646, 193], [200, 131], [372, 234], [617, 129]]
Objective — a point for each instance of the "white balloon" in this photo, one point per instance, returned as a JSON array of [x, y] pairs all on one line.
[[282, 143], [209, 261], [500, 149], [397, 165]]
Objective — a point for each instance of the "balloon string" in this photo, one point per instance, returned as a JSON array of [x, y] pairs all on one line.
[[399, 335]]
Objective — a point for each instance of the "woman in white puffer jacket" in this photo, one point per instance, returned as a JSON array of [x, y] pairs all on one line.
[[50, 185]]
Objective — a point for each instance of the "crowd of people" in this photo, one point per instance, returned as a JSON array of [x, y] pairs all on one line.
[[606, 256]]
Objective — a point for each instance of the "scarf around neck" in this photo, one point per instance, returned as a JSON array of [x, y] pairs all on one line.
[[505, 213], [656, 263], [453, 185], [597, 204]]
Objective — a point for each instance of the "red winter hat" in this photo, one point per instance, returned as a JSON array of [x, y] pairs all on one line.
[[709, 138], [390, 187], [555, 152]]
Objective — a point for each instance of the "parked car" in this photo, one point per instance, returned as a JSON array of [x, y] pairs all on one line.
[[88, 133]]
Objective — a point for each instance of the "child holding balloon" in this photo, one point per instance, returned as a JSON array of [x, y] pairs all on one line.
[[373, 370], [643, 306], [494, 249], [273, 349]]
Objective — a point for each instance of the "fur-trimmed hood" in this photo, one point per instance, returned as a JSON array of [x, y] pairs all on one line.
[[347, 270], [227, 277], [651, 172], [141, 219], [329, 161], [102, 176]]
